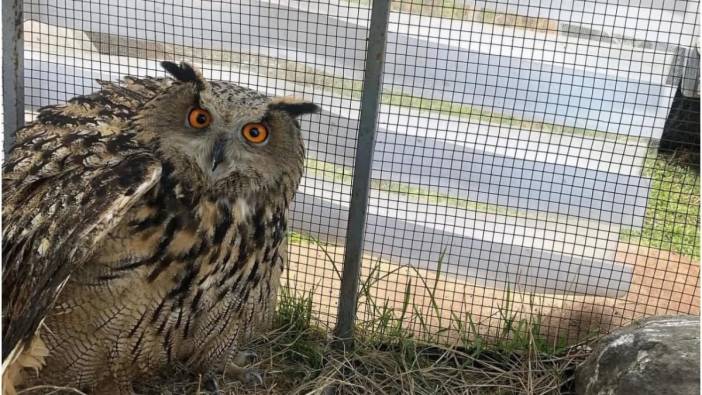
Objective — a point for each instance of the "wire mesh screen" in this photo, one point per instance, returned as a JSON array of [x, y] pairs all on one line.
[[534, 161], [517, 171]]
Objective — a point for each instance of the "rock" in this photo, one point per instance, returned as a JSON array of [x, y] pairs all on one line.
[[658, 355]]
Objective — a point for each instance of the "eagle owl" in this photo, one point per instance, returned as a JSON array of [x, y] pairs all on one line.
[[144, 225]]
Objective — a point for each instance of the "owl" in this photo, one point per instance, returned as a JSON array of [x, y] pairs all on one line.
[[143, 226]]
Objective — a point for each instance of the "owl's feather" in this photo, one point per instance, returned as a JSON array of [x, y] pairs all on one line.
[[66, 185]]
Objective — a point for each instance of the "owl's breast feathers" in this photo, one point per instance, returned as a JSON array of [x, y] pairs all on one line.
[[196, 252]]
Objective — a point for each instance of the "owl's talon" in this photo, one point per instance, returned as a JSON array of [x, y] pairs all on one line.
[[245, 357], [250, 377], [209, 383], [330, 390]]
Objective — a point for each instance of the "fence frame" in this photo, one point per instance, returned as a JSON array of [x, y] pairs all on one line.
[[12, 70], [360, 188]]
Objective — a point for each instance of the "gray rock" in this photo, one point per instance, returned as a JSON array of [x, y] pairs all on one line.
[[659, 355]]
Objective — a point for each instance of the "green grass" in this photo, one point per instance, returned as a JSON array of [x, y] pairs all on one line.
[[302, 239], [329, 171], [388, 323], [673, 208], [476, 114], [343, 175], [300, 357], [426, 195], [303, 343], [518, 332]]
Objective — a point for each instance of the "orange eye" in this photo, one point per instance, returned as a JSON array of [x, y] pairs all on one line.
[[255, 133], [199, 118]]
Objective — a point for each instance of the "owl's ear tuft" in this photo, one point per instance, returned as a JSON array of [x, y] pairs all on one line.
[[184, 73], [293, 106]]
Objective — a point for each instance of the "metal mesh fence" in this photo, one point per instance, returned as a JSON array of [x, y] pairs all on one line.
[[532, 159], [517, 165]]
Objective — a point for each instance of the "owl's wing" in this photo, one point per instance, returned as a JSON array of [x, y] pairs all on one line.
[[65, 187]]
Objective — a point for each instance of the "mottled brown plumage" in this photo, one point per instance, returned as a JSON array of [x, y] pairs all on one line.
[[133, 240]]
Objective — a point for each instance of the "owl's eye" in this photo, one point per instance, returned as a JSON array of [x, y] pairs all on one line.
[[199, 118], [256, 133]]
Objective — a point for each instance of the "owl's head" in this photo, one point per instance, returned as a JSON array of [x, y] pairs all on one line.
[[226, 136]]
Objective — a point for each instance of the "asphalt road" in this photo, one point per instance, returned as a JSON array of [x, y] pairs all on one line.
[[540, 256]]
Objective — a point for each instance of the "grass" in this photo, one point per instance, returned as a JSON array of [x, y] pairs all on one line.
[[343, 175], [301, 238], [672, 221], [516, 333], [301, 359], [476, 114]]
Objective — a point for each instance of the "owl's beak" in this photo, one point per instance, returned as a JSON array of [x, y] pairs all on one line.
[[218, 153]]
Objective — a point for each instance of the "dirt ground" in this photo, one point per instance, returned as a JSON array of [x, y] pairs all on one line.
[[663, 283]]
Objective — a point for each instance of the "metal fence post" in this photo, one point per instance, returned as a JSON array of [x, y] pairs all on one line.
[[370, 100], [12, 70]]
